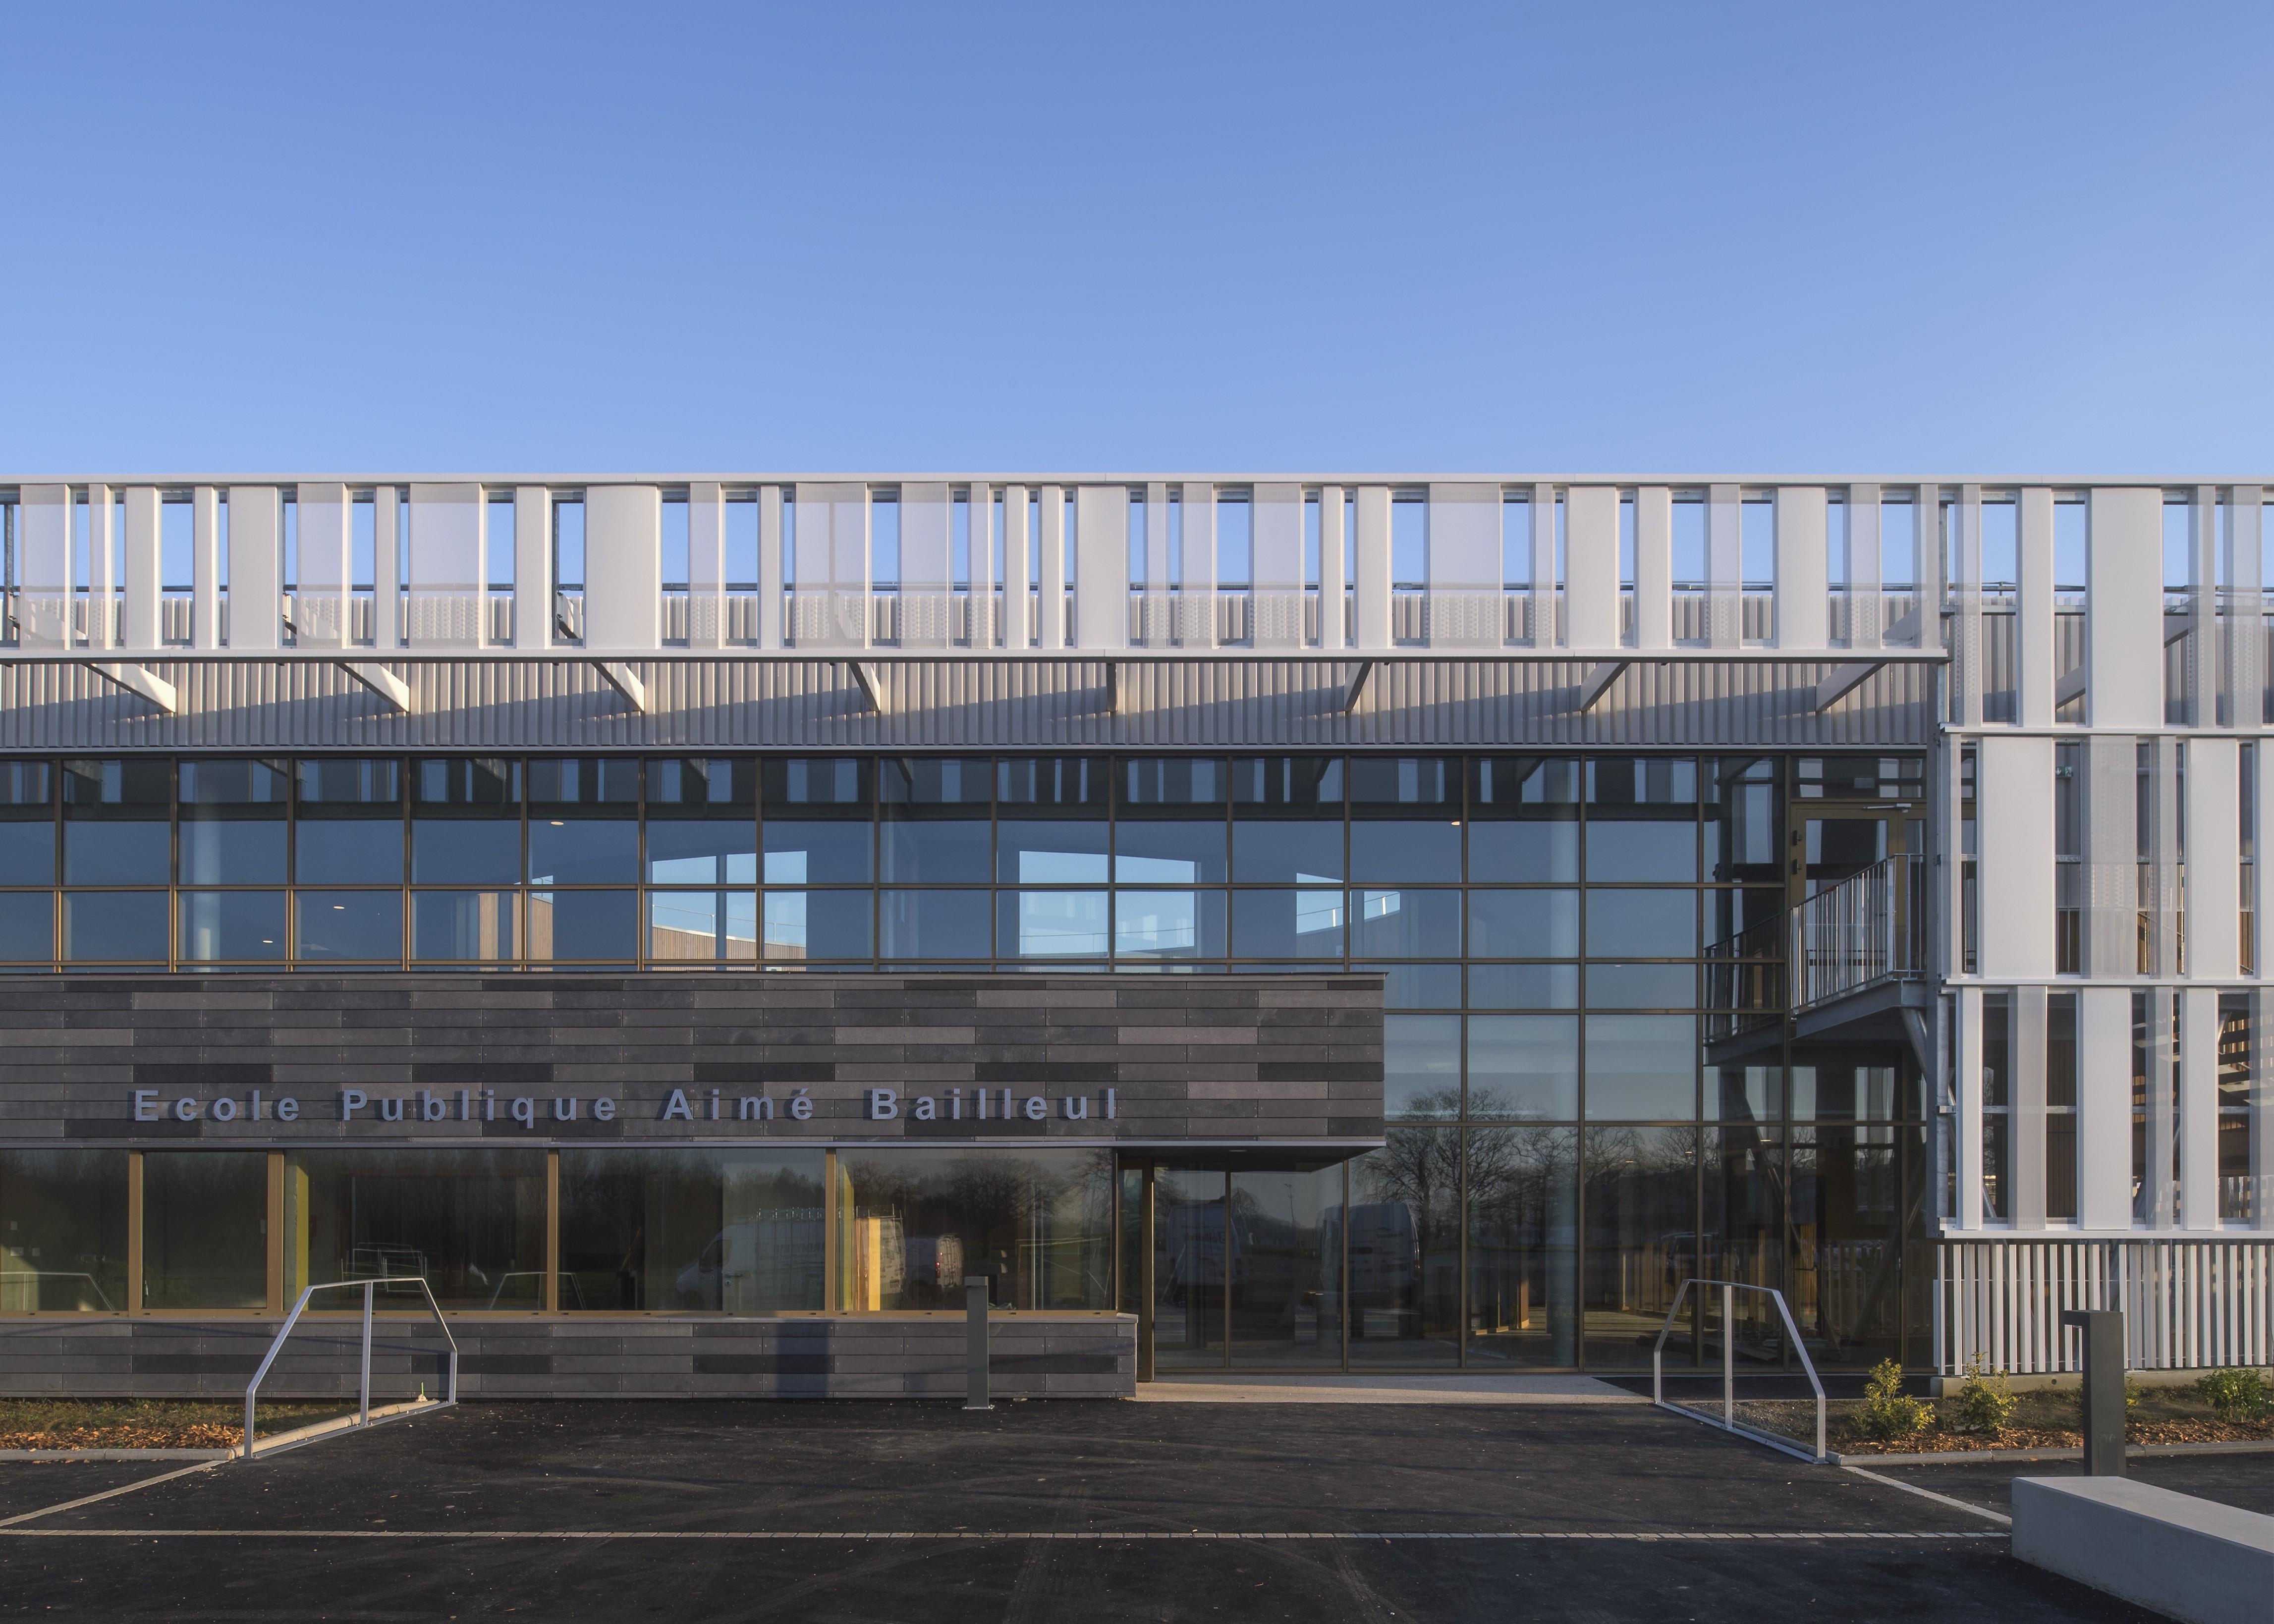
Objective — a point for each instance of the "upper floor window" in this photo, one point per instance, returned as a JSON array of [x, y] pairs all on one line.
[[1409, 541], [1235, 539]]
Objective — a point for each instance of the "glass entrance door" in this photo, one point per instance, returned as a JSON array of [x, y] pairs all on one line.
[[1188, 1267], [1286, 1266], [1248, 1266]]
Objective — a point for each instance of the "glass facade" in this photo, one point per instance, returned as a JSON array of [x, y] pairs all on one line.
[[1483, 882], [1589, 1090], [732, 1231]]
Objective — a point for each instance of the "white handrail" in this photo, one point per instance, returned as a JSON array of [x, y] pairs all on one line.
[[1729, 1289], [363, 1410]]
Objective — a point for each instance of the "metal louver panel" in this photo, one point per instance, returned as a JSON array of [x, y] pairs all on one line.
[[805, 702]]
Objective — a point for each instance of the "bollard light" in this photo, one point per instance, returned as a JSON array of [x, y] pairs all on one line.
[[2103, 1330], [974, 1299]]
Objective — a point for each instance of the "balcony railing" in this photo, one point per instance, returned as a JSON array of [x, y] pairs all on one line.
[[1869, 927], [1744, 981]]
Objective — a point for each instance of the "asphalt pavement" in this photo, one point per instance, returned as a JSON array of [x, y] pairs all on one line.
[[1101, 1511]]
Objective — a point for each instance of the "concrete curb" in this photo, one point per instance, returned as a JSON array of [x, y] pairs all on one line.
[[115, 1455], [1961, 1457]]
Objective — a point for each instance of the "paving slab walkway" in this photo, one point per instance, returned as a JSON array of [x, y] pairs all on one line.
[[1357, 1389]]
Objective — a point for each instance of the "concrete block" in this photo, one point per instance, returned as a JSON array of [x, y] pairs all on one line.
[[2190, 1558]]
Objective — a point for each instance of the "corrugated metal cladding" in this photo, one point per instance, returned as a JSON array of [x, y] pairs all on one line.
[[815, 703]]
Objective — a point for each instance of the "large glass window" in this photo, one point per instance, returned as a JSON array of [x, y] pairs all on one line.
[[584, 831], [932, 924], [1170, 827], [1052, 829], [1642, 819], [27, 826], [471, 1223], [233, 826], [738, 1231], [1421, 1066], [1404, 1235], [1523, 1245], [1524, 1066], [1524, 820], [205, 1229], [111, 926], [1742, 822], [465, 826], [933, 816], [817, 828], [1641, 1067], [586, 926], [1524, 924], [349, 825], [913, 1224], [583, 822], [1845, 1234], [27, 927], [1287, 819], [63, 1231], [1641, 1196], [1154, 862], [1404, 923], [695, 927], [702, 821], [118, 822], [1405, 820], [244, 926], [1169, 835], [464, 924], [351, 925], [1287, 924], [1053, 924], [1742, 1237]]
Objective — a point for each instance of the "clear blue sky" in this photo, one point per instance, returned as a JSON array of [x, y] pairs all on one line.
[[1808, 239]]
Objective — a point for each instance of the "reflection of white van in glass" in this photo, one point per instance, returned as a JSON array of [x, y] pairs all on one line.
[[934, 1268], [1192, 1233], [755, 1267], [1385, 1268]]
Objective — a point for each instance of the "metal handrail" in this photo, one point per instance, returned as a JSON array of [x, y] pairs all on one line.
[[363, 1410], [1869, 927], [1729, 1289]]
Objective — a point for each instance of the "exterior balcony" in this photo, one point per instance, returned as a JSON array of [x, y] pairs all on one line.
[[1858, 952], [1847, 965]]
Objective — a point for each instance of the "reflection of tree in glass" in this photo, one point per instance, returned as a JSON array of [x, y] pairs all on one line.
[[1520, 1172], [1420, 1167]]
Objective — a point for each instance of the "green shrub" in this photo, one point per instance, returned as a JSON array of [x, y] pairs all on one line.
[[1888, 1411], [2236, 1395], [1986, 1404], [2133, 1392]]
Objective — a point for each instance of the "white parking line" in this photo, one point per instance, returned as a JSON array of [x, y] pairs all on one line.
[[1912, 1488], [8, 1523]]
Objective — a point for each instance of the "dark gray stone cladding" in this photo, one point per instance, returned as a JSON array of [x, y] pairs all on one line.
[[873, 1355], [1232, 1058]]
